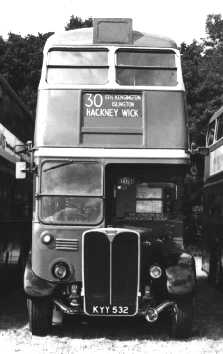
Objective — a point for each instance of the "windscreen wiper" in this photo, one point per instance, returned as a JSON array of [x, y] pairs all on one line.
[[65, 163]]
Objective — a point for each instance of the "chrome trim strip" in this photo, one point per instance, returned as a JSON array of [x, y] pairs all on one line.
[[111, 153]]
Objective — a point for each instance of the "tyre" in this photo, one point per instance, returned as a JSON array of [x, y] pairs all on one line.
[[40, 316], [181, 320]]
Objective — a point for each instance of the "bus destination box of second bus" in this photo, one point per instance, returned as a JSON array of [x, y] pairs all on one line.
[[119, 108]]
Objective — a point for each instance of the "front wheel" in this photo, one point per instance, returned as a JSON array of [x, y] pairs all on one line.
[[181, 320], [40, 316]]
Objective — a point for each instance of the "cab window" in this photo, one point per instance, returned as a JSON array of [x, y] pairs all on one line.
[[219, 134], [210, 134]]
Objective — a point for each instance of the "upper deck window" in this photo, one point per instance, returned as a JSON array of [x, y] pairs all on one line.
[[79, 66], [220, 127], [146, 68], [210, 133]]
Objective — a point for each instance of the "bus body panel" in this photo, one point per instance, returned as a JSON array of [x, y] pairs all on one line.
[[67, 245], [212, 257], [59, 122]]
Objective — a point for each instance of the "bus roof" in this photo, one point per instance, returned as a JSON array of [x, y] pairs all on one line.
[[84, 36]]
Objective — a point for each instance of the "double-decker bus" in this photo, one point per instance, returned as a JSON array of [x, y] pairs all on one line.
[[110, 155], [212, 260], [16, 127]]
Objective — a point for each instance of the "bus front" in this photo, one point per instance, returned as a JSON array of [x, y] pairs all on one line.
[[110, 155]]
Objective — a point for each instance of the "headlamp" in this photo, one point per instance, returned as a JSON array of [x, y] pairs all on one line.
[[60, 270], [155, 271]]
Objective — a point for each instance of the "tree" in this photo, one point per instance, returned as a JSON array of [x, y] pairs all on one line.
[[20, 62], [191, 66], [203, 76], [77, 22], [214, 29]]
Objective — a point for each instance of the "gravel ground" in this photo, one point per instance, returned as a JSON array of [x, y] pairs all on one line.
[[119, 336]]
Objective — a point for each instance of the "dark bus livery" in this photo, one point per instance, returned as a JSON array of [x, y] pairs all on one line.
[[110, 154], [212, 260], [16, 127]]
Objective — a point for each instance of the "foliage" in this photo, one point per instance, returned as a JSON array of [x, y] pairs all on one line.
[[20, 63], [77, 22], [203, 77]]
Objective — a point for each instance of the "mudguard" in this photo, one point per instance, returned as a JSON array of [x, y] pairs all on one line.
[[35, 286], [181, 278]]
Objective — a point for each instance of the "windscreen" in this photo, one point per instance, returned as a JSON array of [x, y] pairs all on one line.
[[71, 192]]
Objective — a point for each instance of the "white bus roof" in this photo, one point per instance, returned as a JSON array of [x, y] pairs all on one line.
[[84, 36]]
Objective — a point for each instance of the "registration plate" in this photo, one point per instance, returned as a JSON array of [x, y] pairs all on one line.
[[109, 310]]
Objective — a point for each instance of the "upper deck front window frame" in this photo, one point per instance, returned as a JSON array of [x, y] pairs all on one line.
[[112, 84], [151, 61], [87, 64]]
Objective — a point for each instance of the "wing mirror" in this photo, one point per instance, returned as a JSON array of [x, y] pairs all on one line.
[[27, 165], [201, 150]]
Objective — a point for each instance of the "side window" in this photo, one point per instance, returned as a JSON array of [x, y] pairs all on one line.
[[210, 134], [219, 134]]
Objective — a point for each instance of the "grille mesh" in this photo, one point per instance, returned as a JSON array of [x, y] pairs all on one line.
[[67, 244]]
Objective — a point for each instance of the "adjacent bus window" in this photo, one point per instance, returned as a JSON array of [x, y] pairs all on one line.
[[77, 67], [210, 133], [71, 193], [146, 68], [220, 127]]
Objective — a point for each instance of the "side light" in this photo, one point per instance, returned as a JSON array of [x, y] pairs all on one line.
[[60, 270], [46, 238], [155, 272]]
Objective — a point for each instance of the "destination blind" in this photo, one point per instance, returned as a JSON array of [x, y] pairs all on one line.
[[115, 110]]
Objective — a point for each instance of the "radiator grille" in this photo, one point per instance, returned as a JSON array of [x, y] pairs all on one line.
[[111, 270]]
